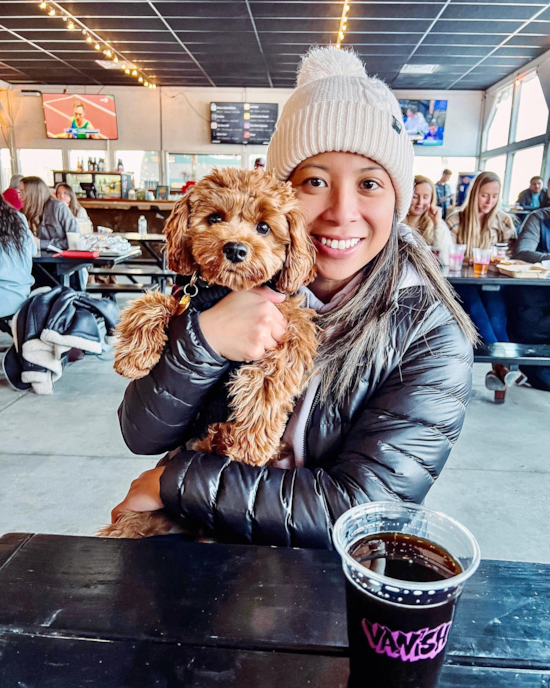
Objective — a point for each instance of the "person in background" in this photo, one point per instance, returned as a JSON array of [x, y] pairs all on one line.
[[64, 193], [529, 307], [535, 196], [426, 217], [259, 163], [17, 248], [12, 194], [415, 123], [435, 132], [480, 224], [444, 193], [49, 219]]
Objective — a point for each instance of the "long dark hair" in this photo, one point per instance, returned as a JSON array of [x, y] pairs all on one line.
[[74, 205], [12, 227], [364, 327]]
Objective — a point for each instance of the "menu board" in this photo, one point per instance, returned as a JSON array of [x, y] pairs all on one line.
[[243, 122]]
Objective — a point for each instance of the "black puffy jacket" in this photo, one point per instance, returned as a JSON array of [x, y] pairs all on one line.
[[389, 441]]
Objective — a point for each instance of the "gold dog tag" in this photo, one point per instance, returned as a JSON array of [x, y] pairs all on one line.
[[183, 304]]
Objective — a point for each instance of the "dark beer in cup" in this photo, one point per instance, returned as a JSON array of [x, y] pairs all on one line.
[[405, 567]]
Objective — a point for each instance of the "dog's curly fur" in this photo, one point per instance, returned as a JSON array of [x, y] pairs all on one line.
[[262, 393]]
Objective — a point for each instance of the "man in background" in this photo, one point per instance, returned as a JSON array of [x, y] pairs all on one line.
[[415, 122], [12, 194], [535, 196], [444, 193]]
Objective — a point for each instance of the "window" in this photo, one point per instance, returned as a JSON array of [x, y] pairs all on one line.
[[497, 165], [533, 111], [500, 126], [142, 165], [183, 168], [40, 162], [526, 164], [5, 168], [432, 167]]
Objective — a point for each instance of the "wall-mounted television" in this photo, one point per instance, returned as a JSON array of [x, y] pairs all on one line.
[[424, 120], [243, 123], [80, 116]]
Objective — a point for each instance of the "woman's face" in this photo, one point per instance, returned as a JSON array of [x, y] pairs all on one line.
[[62, 195], [22, 192], [488, 197], [349, 203], [422, 199]]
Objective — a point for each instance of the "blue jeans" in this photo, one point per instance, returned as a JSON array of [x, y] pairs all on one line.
[[487, 310]]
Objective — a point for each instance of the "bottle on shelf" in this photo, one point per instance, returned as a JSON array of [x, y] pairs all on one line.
[[142, 225], [90, 165], [120, 166], [101, 165]]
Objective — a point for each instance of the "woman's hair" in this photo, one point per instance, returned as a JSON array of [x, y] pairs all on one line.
[[74, 205], [426, 225], [37, 194], [470, 231], [12, 228], [364, 327]]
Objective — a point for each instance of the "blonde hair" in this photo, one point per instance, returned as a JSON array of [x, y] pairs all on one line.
[[37, 194], [470, 231], [426, 225]]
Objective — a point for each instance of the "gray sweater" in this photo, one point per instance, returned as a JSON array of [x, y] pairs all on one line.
[[529, 246], [56, 221]]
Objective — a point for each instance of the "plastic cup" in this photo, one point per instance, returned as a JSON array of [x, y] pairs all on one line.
[[482, 258], [397, 628], [456, 257]]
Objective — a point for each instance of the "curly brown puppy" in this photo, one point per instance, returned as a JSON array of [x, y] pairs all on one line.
[[237, 229]]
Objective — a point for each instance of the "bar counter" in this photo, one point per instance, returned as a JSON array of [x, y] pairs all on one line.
[[122, 215]]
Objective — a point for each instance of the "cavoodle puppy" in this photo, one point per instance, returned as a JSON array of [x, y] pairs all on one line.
[[237, 229]]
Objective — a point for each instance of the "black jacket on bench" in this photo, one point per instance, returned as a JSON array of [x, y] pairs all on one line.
[[389, 441]]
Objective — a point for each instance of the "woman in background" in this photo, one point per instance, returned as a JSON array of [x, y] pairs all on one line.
[[480, 224], [17, 247], [12, 194], [66, 195], [425, 216], [49, 219]]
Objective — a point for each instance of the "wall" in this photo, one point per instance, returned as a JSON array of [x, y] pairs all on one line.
[[184, 125]]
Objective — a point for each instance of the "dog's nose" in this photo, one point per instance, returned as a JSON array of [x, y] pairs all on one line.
[[234, 252]]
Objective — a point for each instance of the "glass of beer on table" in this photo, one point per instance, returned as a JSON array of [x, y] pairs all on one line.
[[482, 258], [405, 567]]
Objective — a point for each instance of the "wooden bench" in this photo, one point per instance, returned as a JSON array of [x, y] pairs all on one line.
[[157, 274]]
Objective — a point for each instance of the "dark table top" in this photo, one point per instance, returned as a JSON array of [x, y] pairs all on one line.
[[143, 612], [48, 257], [493, 277]]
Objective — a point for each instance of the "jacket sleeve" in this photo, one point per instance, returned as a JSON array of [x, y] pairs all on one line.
[[157, 410], [444, 241], [66, 219], [395, 450], [529, 239]]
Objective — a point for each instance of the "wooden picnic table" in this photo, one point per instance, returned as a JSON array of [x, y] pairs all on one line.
[[80, 611]]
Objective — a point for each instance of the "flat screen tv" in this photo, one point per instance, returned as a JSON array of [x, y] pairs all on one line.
[[80, 116], [424, 120]]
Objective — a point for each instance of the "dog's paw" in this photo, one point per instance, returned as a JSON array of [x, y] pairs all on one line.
[[135, 525]]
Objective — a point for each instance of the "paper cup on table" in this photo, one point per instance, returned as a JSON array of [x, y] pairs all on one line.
[[76, 242]]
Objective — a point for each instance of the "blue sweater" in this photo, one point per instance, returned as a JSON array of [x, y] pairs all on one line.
[[16, 279]]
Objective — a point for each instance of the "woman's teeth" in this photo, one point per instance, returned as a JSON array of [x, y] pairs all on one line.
[[341, 245]]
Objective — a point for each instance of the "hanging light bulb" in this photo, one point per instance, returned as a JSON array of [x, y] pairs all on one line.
[[64, 19], [140, 79], [42, 5], [97, 46], [146, 83], [126, 71], [154, 85], [70, 26], [346, 8], [89, 39], [115, 59], [52, 12], [134, 73], [341, 35]]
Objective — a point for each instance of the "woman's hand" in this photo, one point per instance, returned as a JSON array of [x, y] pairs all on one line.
[[244, 325], [144, 494], [435, 214]]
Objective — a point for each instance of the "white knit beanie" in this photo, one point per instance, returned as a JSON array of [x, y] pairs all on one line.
[[337, 107]]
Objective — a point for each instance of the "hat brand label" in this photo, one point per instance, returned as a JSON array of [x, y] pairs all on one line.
[[397, 125]]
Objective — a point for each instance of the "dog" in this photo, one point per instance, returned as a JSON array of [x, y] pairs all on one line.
[[237, 229]]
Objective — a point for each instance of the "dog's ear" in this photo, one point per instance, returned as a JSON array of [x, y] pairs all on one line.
[[180, 258], [299, 266]]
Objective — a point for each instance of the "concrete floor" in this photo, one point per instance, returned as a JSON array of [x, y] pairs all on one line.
[[64, 465]]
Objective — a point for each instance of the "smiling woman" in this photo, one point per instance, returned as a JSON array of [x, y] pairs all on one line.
[[393, 376]]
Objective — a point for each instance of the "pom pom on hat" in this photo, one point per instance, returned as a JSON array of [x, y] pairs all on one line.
[[320, 63]]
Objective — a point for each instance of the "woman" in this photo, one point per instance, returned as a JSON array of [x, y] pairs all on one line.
[[480, 224], [17, 247], [379, 419], [12, 194], [425, 216], [49, 219], [65, 194]]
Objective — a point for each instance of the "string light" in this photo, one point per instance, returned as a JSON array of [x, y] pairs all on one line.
[[92, 38], [342, 27]]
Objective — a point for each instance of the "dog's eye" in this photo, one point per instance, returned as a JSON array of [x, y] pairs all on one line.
[[214, 219], [263, 228]]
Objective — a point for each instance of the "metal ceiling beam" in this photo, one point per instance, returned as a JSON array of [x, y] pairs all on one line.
[[259, 43]]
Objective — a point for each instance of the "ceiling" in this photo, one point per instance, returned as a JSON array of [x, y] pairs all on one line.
[[258, 43]]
